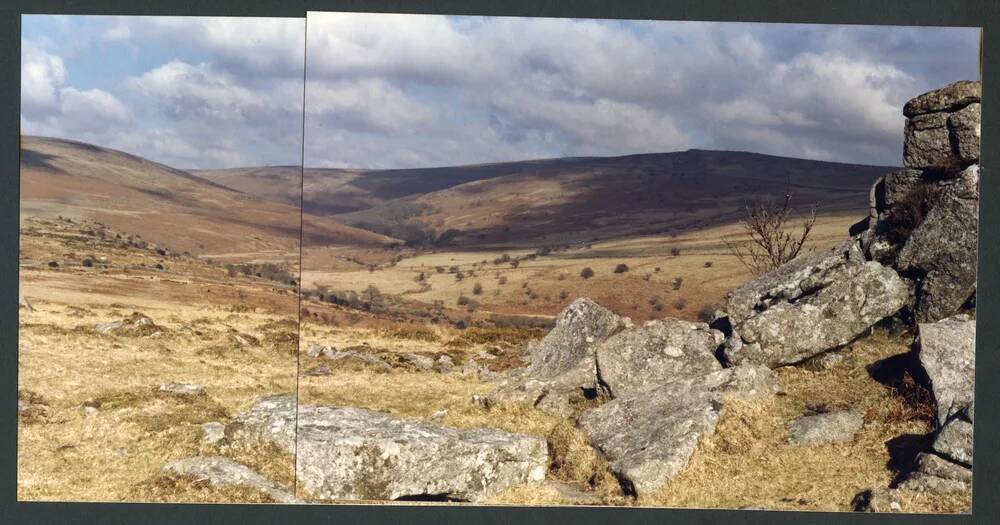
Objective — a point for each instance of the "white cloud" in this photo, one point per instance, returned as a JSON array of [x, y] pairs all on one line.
[[198, 91], [42, 75]]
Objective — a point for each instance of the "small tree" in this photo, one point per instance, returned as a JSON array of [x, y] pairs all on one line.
[[587, 272], [772, 242], [621, 268], [477, 289]]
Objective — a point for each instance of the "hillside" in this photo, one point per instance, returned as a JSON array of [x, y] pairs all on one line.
[[166, 206], [579, 199]]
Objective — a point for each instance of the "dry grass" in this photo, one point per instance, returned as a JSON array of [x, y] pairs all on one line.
[[748, 462], [65, 366]]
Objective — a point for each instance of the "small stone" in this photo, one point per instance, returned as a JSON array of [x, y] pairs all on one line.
[[220, 472], [183, 389], [212, 433], [832, 427]]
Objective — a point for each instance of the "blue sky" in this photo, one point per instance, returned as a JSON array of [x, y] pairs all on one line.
[[393, 91]]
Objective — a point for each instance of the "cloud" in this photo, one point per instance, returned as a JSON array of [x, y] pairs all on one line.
[[188, 92], [513, 88]]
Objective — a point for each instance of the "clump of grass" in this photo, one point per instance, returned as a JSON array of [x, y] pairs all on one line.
[[413, 332], [183, 489]]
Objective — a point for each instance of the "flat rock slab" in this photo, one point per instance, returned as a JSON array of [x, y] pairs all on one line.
[[656, 352], [831, 427], [947, 352], [219, 471], [649, 437], [936, 474], [358, 454]]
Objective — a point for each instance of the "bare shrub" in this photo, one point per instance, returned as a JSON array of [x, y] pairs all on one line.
[[680, 304], [772, 241], [477, 289], [621, 268], [587, 272]]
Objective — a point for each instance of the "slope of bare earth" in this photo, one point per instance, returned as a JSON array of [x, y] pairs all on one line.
[[93, 423], [167, 206]]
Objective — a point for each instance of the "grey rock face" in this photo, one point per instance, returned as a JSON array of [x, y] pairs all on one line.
[[270, 420], [656, 352], [579, 328], [944, 249], [927, 141], [954, 441], [649, 436], [836, 294], [357, 454], [135, 325], [563, 363], [948, 98], [218, 471], [936, 474], [965, 128], [420, 362], [943, 128], [832, 427], [947, 352]]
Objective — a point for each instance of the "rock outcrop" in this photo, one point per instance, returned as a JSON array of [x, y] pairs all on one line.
[[837, 294], [924, 220], [656, 353], [563, 365]]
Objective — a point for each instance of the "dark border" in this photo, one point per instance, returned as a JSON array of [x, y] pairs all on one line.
[[970, 13]]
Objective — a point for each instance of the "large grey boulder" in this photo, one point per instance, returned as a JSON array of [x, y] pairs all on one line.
[[812, 304], [947, 352], [563, 364], [655, 353], [830, 427], [650, 435], [220, 472], [358, 454], [944, 248], [943, 127], [954, 441]]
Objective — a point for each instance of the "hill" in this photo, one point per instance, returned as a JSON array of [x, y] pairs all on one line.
[[165, 205]]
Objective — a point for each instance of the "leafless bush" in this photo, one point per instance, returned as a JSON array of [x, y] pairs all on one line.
[[772, 241]]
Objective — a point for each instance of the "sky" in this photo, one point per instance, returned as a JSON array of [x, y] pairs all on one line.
[[403, 91], [186, 92]]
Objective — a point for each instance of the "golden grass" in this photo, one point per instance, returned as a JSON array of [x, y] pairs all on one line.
[[114, 450], [748, 462]]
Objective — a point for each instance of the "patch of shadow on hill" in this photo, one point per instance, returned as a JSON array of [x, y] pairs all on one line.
[[34, 159]]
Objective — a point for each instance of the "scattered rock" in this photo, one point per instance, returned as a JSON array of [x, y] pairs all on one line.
[[90, 411], [572, 495], [358, 454], [831, 427], [182, 389], [657, 352], [444, 364], [212, 433], [321, 370], [135, 325], [823, 361], [422, 363], [954, 441], [944, 249], [649, 436], [315, 350], [243, 340], [837, 294], [936, 474], [358, 357], [877, 500], [218, 471]]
